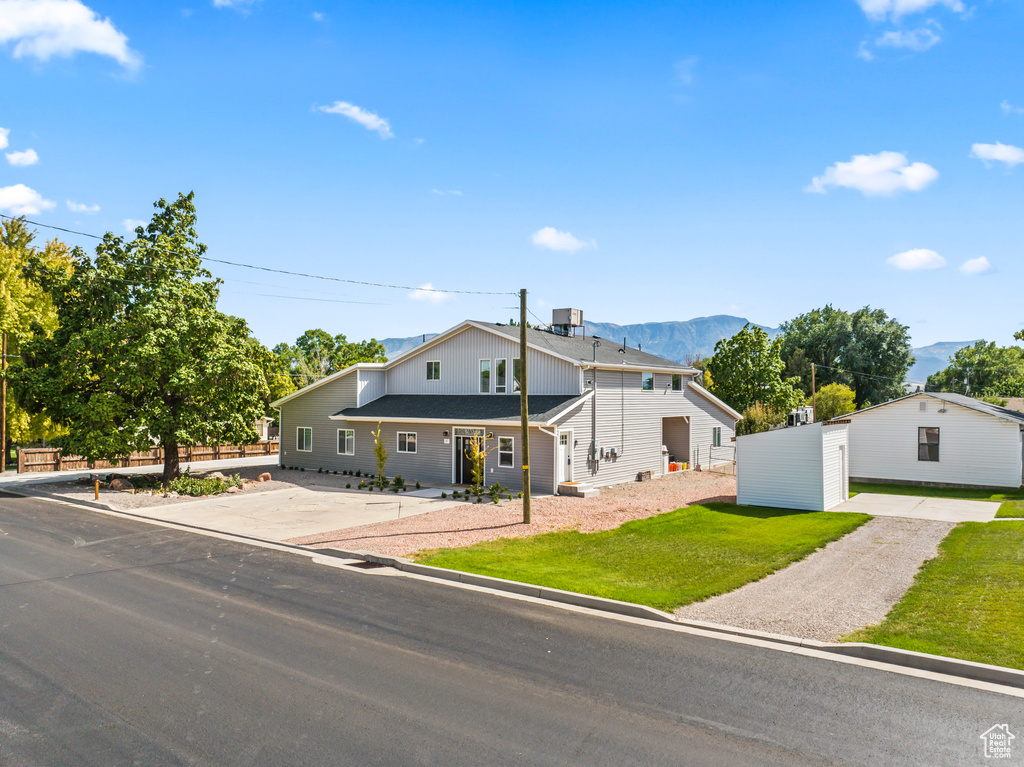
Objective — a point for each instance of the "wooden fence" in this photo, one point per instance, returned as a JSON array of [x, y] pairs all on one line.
[[37, 459]]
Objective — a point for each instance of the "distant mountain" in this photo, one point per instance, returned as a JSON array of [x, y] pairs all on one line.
[[677, 341], [932, 359]]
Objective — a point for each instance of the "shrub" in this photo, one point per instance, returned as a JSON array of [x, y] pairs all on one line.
[[348, 485], [186, 484], [358, 473], [758, 418], [397, 483], [417, 485], [302, 469], [444, 494], [320, 470], [335, 473]]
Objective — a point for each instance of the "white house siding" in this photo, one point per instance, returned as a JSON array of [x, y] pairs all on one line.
[[974, 448], [460, 358], [630, 419], [372, 385], [705, 415], [835, 452], [781, 469], [313, 409]]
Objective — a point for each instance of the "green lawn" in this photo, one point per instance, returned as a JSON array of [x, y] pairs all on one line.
[[966, 603], [665, 561], [1012, 500]]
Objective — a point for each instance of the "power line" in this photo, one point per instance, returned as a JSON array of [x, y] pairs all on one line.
[[865, 375], [275, 271]]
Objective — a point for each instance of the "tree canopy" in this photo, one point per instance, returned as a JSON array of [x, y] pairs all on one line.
[[140, 354], [833, 400], [866, 350], [982, 368], [317, 354], [747, 369]]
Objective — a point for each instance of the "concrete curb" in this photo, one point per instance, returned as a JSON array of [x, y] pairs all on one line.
[[938, 664]]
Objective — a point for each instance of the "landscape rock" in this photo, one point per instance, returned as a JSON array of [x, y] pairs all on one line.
[[120, 483], [233, 490], [264, 477], [171, 494], [215, 475]]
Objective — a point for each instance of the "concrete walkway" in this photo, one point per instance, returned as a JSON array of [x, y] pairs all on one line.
[[13, 479], [916, 507]]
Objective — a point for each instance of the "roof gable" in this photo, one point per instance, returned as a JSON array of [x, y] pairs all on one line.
[[970, 403]]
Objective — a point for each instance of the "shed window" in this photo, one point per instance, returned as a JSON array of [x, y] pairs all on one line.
[[499, 376], [304, 439], [716, 436], [485, 376], [928, 443], [647, 381], [406, 442], [434, 370], [346, 442], [677, 382], [506, 451]]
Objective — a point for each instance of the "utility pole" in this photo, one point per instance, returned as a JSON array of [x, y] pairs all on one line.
[[814, 394], [3, 404], [524, 412]]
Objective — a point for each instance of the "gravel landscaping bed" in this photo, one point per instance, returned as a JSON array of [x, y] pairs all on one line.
[[470, 523], [849, 584]]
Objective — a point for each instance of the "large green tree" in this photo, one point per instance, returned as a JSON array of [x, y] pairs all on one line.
[[747, 369], [141, 355], [317, 354], [866, 350], [22, 303], [982, 368]]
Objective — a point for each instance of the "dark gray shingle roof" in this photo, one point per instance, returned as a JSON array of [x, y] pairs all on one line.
[[461, 407]]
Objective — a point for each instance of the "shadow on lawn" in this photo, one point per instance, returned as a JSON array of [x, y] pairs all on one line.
[[756, 512]]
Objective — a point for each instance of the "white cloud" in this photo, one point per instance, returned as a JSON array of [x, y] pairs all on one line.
[[240, 5], [317, 16], [131, 224], [920, 39], [22, 201], [918, 258], [368, 120], [449, 193], [880, 10], [28, 157], [1006, 153], [551, 238], [45, 28], [978, 265], [78, 207], [884, 173], [1006, 106], [426, 292], [684, 70], [864, 52], [4, 133]]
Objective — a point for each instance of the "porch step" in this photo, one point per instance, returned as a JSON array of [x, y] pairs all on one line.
[[577, 490]]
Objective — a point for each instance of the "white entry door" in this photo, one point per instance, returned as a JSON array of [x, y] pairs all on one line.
[[565, 456]]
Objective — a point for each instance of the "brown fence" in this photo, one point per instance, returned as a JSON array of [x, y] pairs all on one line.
[[37, 459]]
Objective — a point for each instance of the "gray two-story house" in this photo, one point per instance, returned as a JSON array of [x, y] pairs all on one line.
[[599, 412]]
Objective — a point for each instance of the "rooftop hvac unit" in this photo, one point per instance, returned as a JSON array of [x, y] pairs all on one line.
[[800, 416], [564, 320]]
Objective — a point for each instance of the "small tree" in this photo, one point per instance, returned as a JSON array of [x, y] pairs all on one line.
[[380, 455], [758, 417], [832, 400], [478, 452]]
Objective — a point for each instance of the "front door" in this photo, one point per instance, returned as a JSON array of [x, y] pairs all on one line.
[[463, 468], [565, 456]]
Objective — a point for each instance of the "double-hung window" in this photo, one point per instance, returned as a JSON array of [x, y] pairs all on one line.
[[716, 436], [304, 439], [346, 442], [647, 381], [434, 370], [485, 376], [506, 451], [406, 442], [928, 443], [499, 377], [677, 382], [517, 374]]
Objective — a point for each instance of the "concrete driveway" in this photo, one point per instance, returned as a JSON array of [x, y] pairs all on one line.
[[916, 507]]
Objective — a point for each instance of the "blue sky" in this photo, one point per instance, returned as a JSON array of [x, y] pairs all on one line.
[[640, 161]]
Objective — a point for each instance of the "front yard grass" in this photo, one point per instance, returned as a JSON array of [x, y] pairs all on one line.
[[665, 561], [1012, 500], [968, 602]]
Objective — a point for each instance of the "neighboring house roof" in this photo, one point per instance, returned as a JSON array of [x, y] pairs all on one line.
[[461, 408], [955, 399]]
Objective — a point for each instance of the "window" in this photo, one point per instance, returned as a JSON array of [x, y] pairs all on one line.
[[485, 376], [928, 443], [647, 381], [506, 451], [434, 370], [716, 436], [517, 374], [499, 376], [677, 382], [304, 439], [406, 442], [346, 442]]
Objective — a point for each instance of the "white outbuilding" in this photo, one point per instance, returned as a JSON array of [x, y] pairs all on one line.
[[937, 438], [798, 467]]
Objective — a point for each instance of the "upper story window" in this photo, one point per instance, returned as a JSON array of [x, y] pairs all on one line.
[[928, 443], [434, 370], [677, 382], [304, 439], [517, 374], [499, 377], [647, 381], [485, 376]]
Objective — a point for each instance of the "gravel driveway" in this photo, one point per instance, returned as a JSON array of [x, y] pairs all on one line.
[[851, 583]]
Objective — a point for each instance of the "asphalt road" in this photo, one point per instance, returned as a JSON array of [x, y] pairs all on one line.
[[123, 643]]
